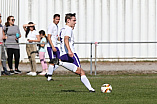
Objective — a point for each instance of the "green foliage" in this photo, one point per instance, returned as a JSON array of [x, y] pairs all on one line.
[[127, 89]]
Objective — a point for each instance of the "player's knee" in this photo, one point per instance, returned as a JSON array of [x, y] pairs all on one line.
[[80, 71]]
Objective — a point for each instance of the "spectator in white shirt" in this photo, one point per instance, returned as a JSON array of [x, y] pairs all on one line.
[[32, 36]]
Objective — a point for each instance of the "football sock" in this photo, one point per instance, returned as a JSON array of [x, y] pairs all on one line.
[[50, 70], [56, 66], [69, 66], [86, 82]]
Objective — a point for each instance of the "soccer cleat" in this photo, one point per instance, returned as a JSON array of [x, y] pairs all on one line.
[[91, 90], [18, 71], [54, 61], [50, 79]]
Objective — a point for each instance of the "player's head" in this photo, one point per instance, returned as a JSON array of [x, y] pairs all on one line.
[[70, 19], [56, 18]]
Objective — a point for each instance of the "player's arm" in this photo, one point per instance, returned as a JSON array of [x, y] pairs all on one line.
[[66, 41], [50, 41]]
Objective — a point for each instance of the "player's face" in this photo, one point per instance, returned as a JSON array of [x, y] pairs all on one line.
[[73, 22], [56, 20]]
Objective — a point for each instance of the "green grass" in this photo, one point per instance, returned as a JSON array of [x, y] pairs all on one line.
[[68, 89]]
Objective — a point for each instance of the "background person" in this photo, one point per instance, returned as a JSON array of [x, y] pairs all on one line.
[[42, 52], [11, 32], [52, 42], [32, 36], [2, 49]]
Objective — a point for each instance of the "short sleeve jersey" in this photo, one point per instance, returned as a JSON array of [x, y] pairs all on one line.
[[42, 49], [53, 30], [67, 31]]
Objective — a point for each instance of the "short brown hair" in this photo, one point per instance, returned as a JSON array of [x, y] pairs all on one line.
[[69, 16], [56, 15]]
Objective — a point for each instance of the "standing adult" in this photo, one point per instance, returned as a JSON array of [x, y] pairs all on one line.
[[12, 34], [2, 49], [52, 41], [32, 36], [69, 58]]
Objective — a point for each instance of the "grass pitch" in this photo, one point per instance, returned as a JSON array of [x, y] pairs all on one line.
[[68, 89]]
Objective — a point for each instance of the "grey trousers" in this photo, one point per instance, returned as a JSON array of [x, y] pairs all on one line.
[[3, 57]]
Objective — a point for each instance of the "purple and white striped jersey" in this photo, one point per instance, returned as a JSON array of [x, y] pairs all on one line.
[[66, 31]]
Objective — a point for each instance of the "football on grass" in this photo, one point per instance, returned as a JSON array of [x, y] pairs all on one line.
[[106, 88]]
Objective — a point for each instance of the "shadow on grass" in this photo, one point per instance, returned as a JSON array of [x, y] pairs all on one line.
[[72, 91]]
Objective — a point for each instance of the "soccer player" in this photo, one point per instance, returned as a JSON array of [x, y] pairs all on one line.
[[69, 58], [52, 42]]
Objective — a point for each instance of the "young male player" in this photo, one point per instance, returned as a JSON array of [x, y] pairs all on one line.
[[52, 42], [69, 58]]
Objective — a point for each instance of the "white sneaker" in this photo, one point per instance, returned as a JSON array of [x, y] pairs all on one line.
[[32, 73], [42, 73]]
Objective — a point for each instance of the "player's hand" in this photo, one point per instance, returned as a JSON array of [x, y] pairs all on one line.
[[54, 49], [70, 54]]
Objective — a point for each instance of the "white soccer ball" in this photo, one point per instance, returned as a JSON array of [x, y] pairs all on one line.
[[106, 88]]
